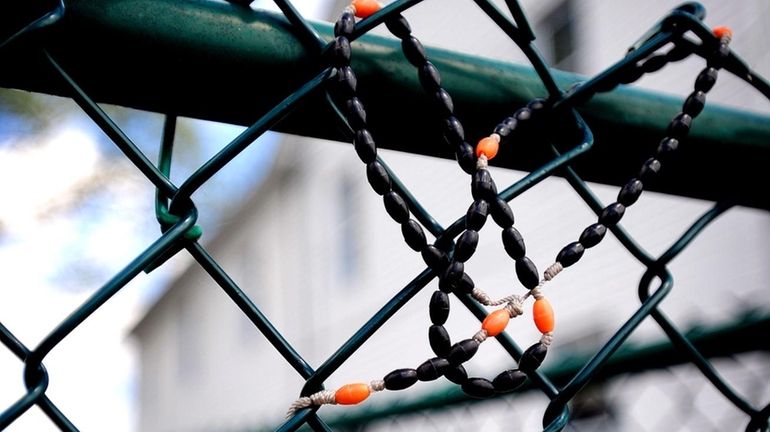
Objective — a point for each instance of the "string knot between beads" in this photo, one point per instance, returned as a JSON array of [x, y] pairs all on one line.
[[547, 339], [482, 162], [377, 385], [553, 270], [515, 307], [323, 397], [480, 336]]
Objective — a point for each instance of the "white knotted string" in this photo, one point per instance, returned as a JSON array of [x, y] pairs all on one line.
[[323, 397], [482, 162]]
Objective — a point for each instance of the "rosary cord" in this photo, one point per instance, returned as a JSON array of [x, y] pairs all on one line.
[[452, 276]]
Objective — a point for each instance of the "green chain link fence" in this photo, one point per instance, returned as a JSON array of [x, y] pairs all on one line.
[[42, 63]]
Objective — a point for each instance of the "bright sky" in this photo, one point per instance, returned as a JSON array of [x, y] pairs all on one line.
[[34, 177], [93, 372], [43, 279]]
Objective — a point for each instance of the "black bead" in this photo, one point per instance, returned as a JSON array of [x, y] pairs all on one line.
[[523, 114], [592, 235], [400, 379], [413, 50], [446, 286], [456, 374], [432, 369], [399, 26], [679, 126], [413, 235], [655, 63], [510, 122], [345, 25], [502, 130], [481, 176], [632, 75], [430, 78], [439, 339], [533, 357], [650, 168], [478, 387], [694, 103], [341, 51], [434, 258], [444, 243], [462, 351], [527, 273], [346, 81], [476, 215], [453, 130], [612, 214], [570, 254], [501, 212], [444, 102], [677, 53], [706, 79], [630, 192], [536, 104], [718, 58], [378, 177], [509, 380], [482, 186], [723, 51], [607, 85], [453, 272], [506, 127], [356, 113], [365, 147], [466, 245], [465, 285], [666, 147], [439, 308], [396, 207], [466, 157], [514, 243]]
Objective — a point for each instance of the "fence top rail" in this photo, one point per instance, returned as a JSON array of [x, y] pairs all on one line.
[[221, 62]]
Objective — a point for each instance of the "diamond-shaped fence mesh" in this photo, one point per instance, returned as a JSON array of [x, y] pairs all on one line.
[[601, 386]]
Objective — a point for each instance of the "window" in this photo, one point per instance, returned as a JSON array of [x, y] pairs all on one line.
[[558, 32], [348, 217]]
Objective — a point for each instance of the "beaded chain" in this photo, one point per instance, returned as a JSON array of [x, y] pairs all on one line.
[[450, 267]]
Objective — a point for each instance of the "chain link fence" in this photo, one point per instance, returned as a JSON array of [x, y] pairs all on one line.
[[598, 387]]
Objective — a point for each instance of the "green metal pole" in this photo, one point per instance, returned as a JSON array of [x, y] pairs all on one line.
[[227, 63]]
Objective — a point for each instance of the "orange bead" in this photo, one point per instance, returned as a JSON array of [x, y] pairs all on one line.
[[364, 8], [487, 146], [495, 322], [542, 312], [723, 31], [351, 394]]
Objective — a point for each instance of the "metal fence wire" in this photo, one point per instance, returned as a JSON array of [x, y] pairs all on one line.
[[177, 214]]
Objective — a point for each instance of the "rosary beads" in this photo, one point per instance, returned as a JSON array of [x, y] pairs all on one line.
[[474, 161]]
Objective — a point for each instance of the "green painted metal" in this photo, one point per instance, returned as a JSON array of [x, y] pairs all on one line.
[[258, 66], [161, 54]]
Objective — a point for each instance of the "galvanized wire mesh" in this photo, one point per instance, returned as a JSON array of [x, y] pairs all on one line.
[[177, 215]]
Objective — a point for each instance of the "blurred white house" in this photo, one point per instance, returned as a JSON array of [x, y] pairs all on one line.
[[317, 253]]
